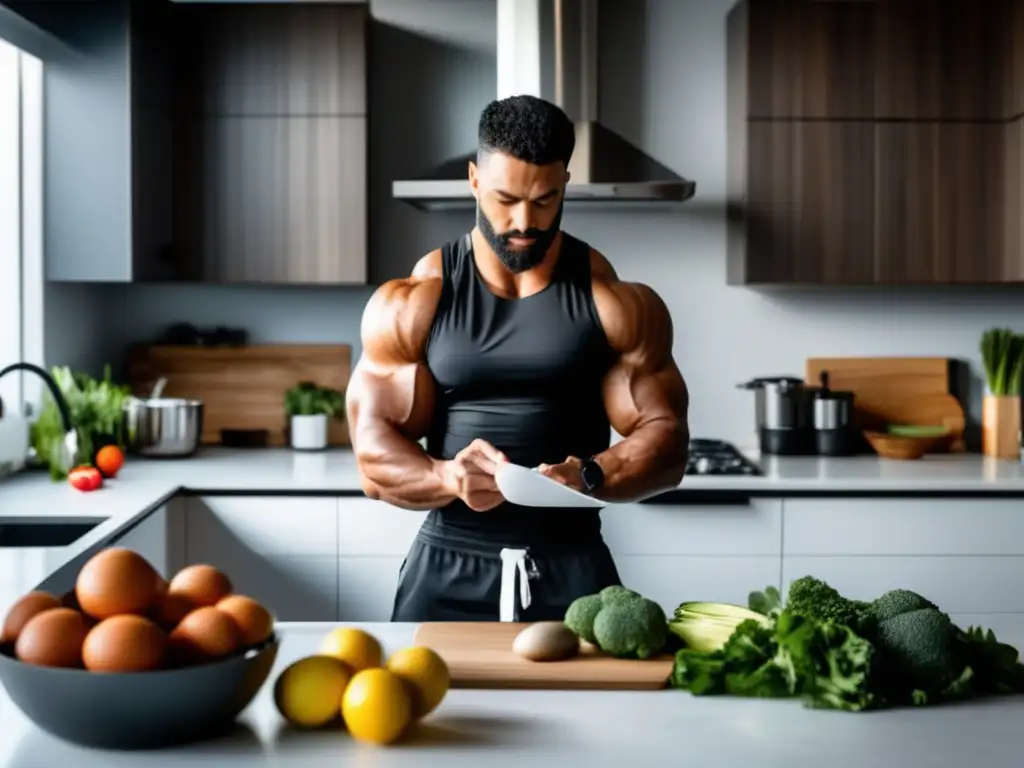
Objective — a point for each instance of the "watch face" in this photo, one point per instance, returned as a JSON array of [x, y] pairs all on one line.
[[592, 475]]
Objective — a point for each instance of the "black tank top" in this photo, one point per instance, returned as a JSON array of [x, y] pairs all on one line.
[[524, 374]]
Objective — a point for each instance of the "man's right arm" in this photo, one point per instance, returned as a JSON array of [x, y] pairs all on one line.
[[390, 397]]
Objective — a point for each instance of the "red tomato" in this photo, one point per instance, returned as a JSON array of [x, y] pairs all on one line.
[[85, 478]]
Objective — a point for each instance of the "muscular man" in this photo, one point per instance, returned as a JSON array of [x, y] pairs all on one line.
[[518, 343]]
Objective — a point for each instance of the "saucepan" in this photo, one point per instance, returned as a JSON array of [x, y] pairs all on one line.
[[163, 427]]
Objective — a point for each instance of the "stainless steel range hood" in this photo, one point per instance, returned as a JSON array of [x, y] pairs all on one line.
[[606, 170]]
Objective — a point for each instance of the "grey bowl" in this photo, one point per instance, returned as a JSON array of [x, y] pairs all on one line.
[[143, 710]]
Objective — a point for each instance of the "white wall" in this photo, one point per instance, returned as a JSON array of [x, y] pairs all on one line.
[[663, 86]]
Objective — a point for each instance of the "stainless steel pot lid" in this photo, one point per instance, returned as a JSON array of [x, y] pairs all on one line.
[[762, 381]]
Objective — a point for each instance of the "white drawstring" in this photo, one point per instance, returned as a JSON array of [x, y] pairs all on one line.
[[513, 560]]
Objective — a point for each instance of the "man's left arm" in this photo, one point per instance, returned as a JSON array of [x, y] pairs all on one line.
[[645, 396]]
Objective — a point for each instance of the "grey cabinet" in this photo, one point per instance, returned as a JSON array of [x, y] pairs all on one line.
[[270, 143], [272, 199], [107, 133], [273, 59]]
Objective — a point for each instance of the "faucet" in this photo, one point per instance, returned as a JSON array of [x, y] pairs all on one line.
[[70, 434]]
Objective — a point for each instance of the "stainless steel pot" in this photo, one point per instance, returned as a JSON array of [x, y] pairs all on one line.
[[165, 427], [780, 402]]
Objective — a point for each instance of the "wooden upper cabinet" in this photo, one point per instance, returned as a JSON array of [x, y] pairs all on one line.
[[807, 59], [942, 59], [257, 59], [939, 202], [809, 207], [878, 59]]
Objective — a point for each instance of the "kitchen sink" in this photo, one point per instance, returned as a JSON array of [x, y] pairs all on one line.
[[21, 534]]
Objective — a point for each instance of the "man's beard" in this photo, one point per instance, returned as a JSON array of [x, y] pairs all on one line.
[[519, 259]]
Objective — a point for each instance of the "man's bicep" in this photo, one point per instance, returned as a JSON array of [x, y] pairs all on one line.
[[390, 383], [645, 384]]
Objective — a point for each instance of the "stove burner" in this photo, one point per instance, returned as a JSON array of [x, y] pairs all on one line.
[[717, 457]]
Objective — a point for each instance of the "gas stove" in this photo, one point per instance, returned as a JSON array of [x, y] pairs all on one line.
[[717, 457]]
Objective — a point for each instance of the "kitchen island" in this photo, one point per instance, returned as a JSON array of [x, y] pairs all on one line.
[[506, 728]]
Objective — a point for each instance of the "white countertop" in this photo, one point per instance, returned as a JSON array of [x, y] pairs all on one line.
[[597, 728], [145, 484]]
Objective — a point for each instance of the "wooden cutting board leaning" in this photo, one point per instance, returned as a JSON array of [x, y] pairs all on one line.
[[895, 390], [479, 655], [242, 388]]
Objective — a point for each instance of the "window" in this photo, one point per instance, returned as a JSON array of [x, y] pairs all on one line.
[[21, 230]]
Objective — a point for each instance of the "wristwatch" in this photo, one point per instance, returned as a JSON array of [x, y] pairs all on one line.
[[592, 476]]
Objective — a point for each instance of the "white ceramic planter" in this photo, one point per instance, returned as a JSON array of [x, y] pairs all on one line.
[[309, 433]]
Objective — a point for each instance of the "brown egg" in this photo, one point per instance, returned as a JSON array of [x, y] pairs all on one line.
[[254, 622], [22, 611], [204, 585], [124, 644], [117, 581], [68, 600], [53, 638], [203, 635], [172, 609]]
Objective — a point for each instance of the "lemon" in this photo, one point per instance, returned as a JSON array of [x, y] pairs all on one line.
[[357, 648], [425, 673], [308, 693], [376, 706]]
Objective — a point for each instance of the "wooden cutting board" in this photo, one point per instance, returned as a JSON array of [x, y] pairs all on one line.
[[479, 655], [881, 385], [242, 388]]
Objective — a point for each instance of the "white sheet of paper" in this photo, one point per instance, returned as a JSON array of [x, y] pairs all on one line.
[[528, 488]]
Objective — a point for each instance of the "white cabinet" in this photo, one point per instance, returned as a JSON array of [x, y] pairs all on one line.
[[703, 551], [373, 540], [281, 551], [22, 569], [159, 537]]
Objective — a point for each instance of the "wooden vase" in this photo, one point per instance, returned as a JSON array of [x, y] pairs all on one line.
[[1000, 427]]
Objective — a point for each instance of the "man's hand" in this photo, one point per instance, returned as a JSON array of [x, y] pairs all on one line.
[[569, 472], [470, 475]]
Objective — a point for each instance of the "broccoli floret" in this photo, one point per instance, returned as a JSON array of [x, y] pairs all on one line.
[[616, 592], [817, 600], [634, 627], [920, 649], [581, 614], [899, 601]]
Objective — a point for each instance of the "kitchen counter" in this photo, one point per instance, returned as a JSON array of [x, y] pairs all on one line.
[[508, 727], [144, 485]]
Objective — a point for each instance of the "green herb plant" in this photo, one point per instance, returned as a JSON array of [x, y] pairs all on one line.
[[96, 408], [307, 399], [1002, 355]]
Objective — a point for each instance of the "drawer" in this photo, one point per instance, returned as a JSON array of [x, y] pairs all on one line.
[[264, 524], [671, 580], [955, 584], [368, 527], [753, 528], [903, 527]]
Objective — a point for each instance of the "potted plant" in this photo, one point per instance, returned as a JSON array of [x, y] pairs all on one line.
[[1002, 354], [309, 410]]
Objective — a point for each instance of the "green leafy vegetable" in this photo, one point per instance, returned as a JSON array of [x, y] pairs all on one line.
[[825, 664], [767, 603], [1002, 355], [96, 408]]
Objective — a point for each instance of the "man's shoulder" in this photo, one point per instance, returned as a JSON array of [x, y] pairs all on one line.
[[406, 306]]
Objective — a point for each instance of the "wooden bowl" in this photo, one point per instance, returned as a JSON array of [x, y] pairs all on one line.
[[904, 447]]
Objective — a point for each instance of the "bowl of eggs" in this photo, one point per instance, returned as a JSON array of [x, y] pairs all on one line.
[[128, 660]]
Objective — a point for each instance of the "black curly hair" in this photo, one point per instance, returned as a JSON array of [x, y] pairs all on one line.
[[526, 128]]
